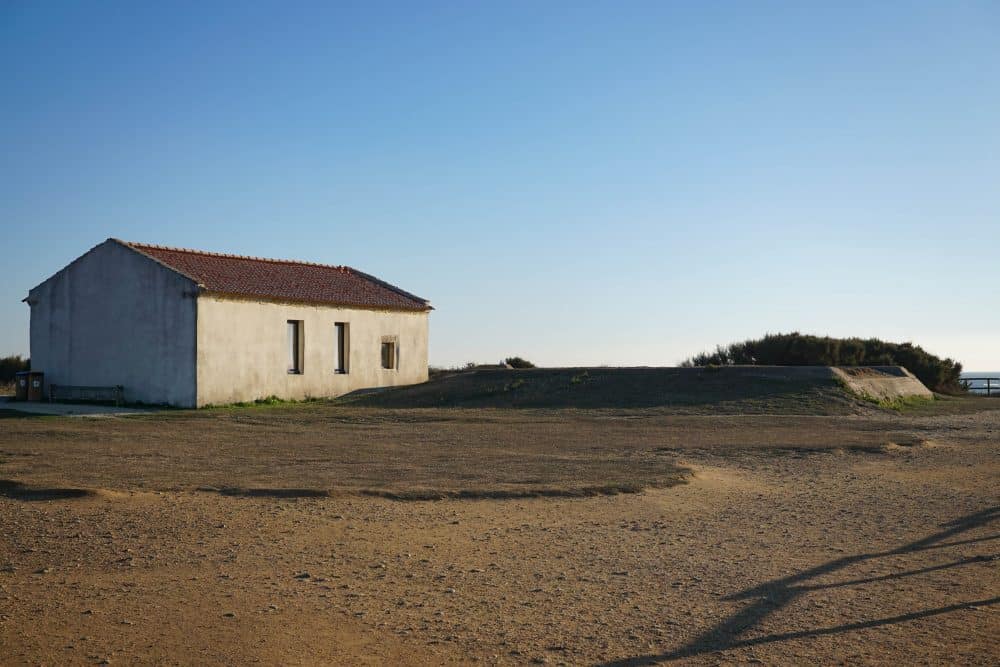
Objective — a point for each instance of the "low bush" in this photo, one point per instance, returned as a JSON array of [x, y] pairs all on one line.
[[795, 349], [518, 362]]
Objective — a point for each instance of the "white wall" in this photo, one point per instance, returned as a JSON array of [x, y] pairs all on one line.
[[243, 350], [116, 317]]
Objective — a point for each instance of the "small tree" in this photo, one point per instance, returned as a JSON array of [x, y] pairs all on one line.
[[518, 362], [11, 365]]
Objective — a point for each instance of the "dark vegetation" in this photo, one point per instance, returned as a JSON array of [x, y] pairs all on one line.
[[437, 372], [11, 365], [795, 349]]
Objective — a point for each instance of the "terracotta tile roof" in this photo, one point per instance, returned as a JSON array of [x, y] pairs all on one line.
[[283, 280]]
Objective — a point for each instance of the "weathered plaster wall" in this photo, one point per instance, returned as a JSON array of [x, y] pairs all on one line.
[[243, 350], [115, 317]]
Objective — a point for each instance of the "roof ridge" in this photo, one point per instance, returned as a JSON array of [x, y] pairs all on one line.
[[209, 253]]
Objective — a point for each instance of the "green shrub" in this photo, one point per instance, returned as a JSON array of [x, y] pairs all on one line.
[[518, 362], [795, 349]]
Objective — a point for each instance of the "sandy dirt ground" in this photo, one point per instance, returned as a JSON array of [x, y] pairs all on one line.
[[263, 536]]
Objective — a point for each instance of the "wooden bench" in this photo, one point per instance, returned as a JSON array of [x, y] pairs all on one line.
[[68, 392]]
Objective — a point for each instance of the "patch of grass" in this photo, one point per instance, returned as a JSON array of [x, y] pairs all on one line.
[[580, 378], [901, 403], [898, 403], [267, 401]]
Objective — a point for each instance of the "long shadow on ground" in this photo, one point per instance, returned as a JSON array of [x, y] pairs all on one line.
[[18, 491], [6, 413], [779, 593]]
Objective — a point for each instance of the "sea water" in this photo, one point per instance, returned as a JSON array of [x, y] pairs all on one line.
[[979, 385]]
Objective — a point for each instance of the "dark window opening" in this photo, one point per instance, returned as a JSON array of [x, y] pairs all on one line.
[[295, 346], [388, 355], [342, 350]]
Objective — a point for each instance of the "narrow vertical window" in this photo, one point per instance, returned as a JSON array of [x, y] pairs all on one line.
[[388, 355], [294, 346], [341, 347]]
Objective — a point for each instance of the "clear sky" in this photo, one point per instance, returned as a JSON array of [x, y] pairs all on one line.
[[576, 183]]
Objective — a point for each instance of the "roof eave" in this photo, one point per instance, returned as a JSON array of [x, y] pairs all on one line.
[[426, 307], [391, 287]]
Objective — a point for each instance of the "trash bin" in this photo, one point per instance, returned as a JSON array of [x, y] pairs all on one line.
[[21, 386], [36, 385]]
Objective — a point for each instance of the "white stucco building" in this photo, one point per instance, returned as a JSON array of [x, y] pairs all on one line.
[[191, 328]]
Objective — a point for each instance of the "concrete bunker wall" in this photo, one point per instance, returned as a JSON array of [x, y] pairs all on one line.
[[882, 383]]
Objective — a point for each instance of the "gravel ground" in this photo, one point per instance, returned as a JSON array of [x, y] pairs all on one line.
[[839, 540]]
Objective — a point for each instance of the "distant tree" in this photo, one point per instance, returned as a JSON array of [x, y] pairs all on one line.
[[795, 349], [11, 365], [518, 362]]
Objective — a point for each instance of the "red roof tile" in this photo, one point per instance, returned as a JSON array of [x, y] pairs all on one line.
[[279, 279]]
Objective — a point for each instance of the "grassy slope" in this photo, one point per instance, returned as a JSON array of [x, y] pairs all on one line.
[[746, 390]]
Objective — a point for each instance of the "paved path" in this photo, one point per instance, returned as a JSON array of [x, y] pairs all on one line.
[[71, 409]]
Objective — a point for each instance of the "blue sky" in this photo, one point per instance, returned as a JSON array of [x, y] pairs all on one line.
[[576, 183]]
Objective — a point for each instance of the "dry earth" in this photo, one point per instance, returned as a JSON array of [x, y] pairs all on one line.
[[266, 536]]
